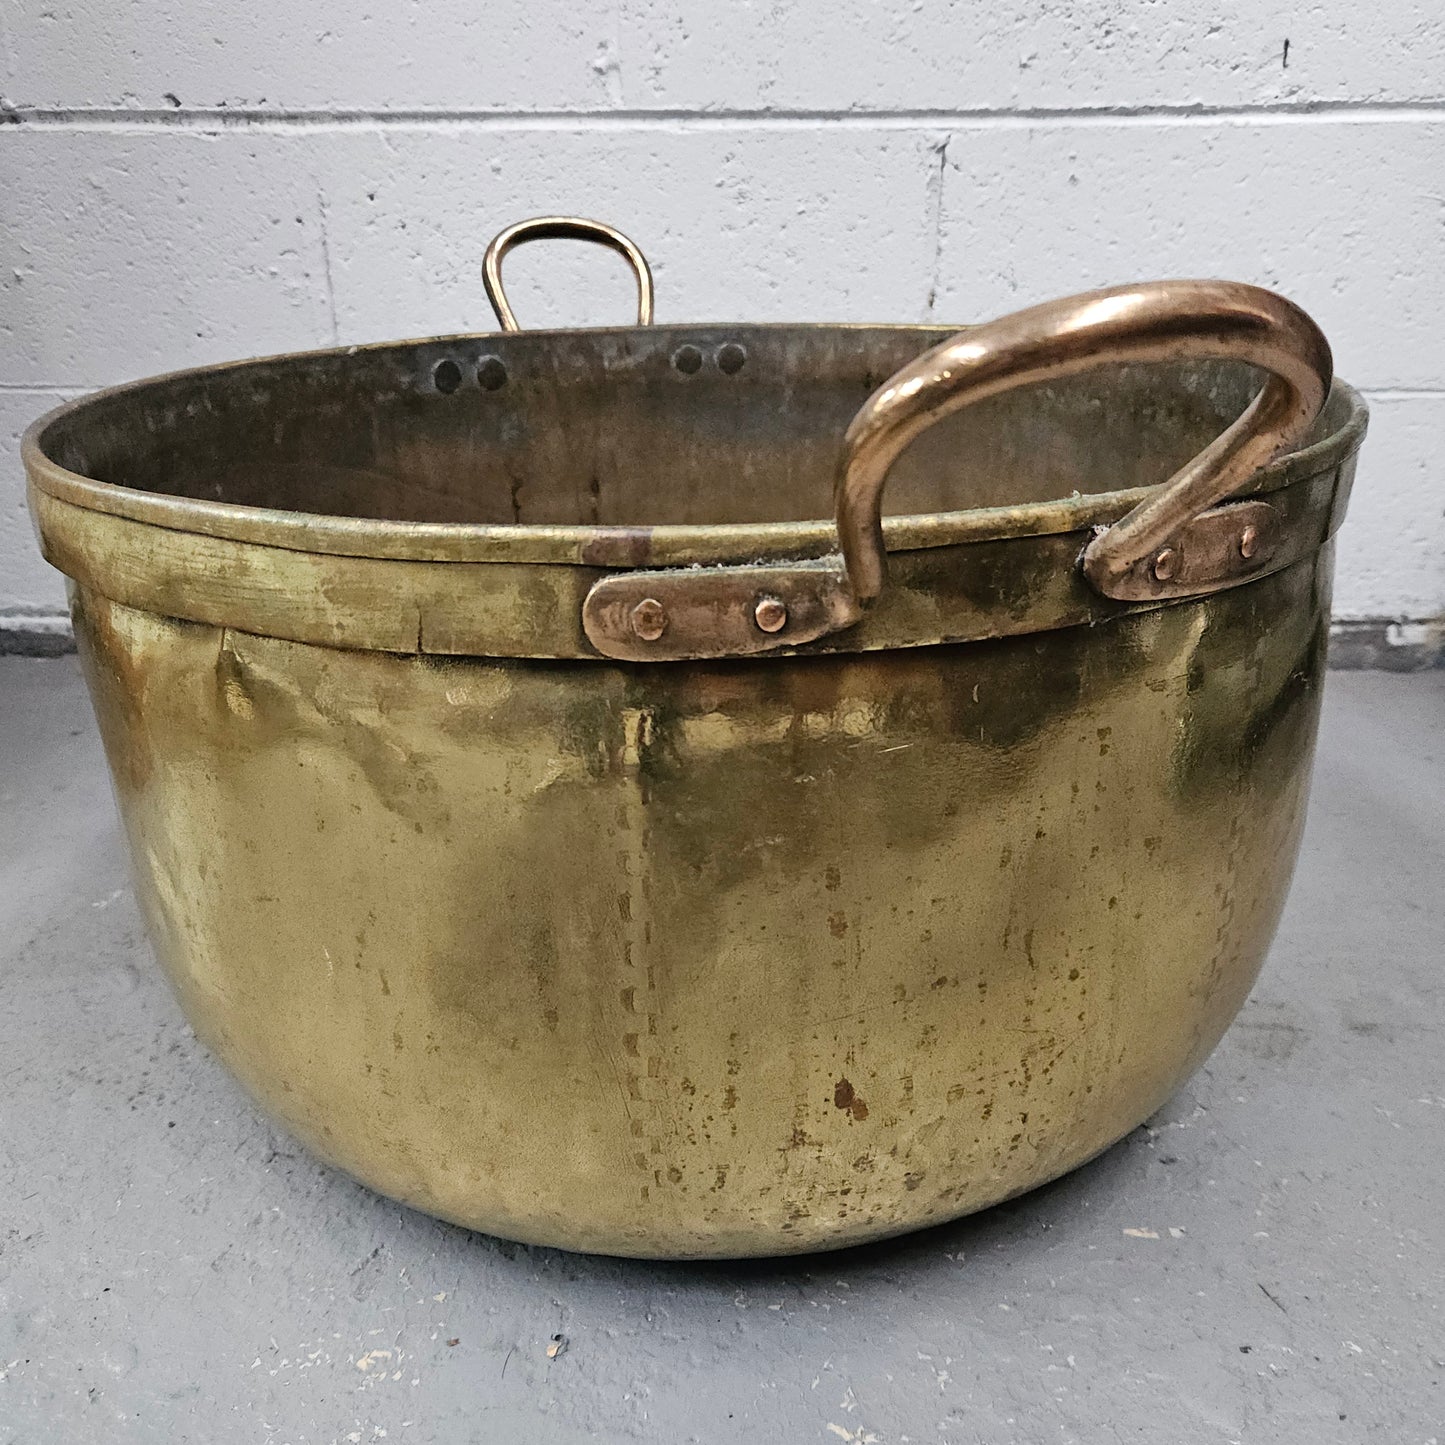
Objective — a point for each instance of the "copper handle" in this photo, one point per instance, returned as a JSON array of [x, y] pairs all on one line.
[[733, 611], [1156, 321], [570, 228]]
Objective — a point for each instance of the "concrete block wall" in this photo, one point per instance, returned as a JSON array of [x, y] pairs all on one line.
[[182, 184]]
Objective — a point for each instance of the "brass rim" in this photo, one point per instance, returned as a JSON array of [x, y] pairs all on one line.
[[438, 589], [606, 546]]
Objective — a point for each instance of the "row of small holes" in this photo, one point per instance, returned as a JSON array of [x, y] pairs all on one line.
[[447, 375], [492, 373], [729, 357]]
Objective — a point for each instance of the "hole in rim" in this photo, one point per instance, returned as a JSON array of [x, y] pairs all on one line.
[[687, 359], [491, 373], [731, 358], [446, 376]]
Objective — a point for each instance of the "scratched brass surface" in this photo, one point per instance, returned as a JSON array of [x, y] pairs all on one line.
[[724, 958]]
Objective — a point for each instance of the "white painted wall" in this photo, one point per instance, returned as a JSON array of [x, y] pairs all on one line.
[[184, 183]]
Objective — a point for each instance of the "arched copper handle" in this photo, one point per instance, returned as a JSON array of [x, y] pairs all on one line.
[[570, 228], [1156, 321], [1176, 543]]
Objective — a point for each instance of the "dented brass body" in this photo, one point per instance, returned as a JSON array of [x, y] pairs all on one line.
[[713, 956]]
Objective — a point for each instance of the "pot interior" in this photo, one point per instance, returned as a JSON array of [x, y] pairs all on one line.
[[634, 427]]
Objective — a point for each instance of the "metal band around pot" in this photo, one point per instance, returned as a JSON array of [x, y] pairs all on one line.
[[992, 585], [1176, 543]]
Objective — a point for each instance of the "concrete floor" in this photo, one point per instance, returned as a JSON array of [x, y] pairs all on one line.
[[1265, 1262]]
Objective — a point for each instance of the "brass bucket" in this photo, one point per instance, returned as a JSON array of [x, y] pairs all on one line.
[[548, 805]]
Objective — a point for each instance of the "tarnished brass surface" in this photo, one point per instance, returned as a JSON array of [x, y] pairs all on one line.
[[840, 934], [717, 958]]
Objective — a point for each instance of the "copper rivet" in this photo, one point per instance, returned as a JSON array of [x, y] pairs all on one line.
[[1248, 541], [770, 614], [1166, 563], [649, 619]]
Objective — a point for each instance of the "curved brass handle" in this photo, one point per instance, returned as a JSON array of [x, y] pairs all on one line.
[[571, 228], [1156, 321]]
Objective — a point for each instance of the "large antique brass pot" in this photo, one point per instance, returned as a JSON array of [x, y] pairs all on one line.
[[546, 805]]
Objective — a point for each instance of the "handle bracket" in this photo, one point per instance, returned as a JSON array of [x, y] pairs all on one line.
[[672, 613], [1219, 548]]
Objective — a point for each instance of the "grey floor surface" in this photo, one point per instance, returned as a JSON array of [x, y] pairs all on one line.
[[1265, 1262]]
